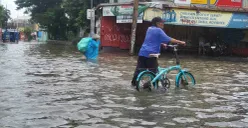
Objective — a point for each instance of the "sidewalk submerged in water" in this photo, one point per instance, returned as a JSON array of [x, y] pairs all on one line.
[[181, 55]]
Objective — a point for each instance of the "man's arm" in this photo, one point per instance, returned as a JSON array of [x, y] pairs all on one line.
[[174, 41], [166, 39]]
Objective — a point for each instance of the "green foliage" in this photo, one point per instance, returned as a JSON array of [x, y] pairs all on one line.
[[71, 35], [27, 32], [59, 17], [4, 16]]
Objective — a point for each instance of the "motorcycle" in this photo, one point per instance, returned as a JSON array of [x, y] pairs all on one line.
[[218, 48]]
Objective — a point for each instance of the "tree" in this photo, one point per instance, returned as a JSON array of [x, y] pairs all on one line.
[[49, 14], [1, 15], [27, 32], [4, 16], [59, 17], [77, 11]]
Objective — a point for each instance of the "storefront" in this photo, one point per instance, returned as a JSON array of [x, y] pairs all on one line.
[[183, 24], [116, 25]]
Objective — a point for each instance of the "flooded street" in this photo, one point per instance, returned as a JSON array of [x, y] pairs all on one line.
[[44, 85]]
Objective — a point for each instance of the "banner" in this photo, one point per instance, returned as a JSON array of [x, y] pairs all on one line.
[[205, 18], [212, 2], [125, 9], [185, 2], [229, 3], [219, 3], [245, 3], [128, 19], [124, 13], [150, 13]]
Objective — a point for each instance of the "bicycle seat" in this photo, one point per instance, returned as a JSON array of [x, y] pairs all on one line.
[[172, 46], [154, 55]]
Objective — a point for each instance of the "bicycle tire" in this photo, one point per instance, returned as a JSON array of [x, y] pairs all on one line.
[[179, 81], [148, 83]]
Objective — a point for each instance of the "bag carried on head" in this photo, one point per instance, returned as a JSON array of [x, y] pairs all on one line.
[[83, 44]]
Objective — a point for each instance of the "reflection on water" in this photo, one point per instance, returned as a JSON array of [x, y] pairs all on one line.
[[44, 85]]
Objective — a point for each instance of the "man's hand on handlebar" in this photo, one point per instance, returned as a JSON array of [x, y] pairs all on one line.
[[174, 45], [164, 45], [183, 43], [174, 41]]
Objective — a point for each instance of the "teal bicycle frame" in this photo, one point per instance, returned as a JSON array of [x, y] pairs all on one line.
[[165, 71]]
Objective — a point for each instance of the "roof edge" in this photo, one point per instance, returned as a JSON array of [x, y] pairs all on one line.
[[173, 5]]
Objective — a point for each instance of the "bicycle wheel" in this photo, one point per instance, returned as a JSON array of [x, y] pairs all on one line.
[[185, 79], [144, 81]]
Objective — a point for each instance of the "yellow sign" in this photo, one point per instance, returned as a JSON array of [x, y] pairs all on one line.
[[150, 13], [212, 2], [36, 27]]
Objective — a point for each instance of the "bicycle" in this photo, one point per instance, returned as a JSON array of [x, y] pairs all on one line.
[[161, 76]]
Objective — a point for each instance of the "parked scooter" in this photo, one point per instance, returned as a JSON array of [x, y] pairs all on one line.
[[217, 48]]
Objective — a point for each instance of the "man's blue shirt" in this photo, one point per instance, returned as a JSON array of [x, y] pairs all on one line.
[[154, 38]]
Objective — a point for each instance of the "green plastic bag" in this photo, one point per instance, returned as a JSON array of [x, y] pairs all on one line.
[[83, 43]]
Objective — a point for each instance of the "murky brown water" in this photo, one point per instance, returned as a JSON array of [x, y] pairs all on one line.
[[43, 86]]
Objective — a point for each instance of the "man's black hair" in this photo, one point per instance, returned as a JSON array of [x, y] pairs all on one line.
[[156, 20]]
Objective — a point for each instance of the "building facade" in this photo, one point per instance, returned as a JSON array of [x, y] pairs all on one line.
[[218, 21]]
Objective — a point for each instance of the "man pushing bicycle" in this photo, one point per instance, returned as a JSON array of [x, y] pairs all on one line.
[[155, 37]]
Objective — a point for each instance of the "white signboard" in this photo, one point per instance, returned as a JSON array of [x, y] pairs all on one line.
[[124, 13], [245, 3], [184, 2], [128, 19], [127, 9], [90, 13]]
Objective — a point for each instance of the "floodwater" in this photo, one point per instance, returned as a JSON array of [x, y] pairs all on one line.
[[50, 86]]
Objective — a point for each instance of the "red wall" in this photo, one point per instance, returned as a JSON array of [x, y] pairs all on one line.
[[119, 35], [240, 51], [115, 35]]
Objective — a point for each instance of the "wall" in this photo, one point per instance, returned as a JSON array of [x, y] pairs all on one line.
[[119, 35], [113, 34]]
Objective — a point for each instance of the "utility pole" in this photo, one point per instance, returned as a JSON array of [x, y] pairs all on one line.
[[134, 26], [208, 3], [92, 19]]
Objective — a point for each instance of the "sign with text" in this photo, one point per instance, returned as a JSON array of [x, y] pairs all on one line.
[[125, 9], [124, 13], [245, 3], [206, 18], [184, 2], [212, 2], [150, 13], [220, 3], [90, 13], [128, 19], [229, 3]]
